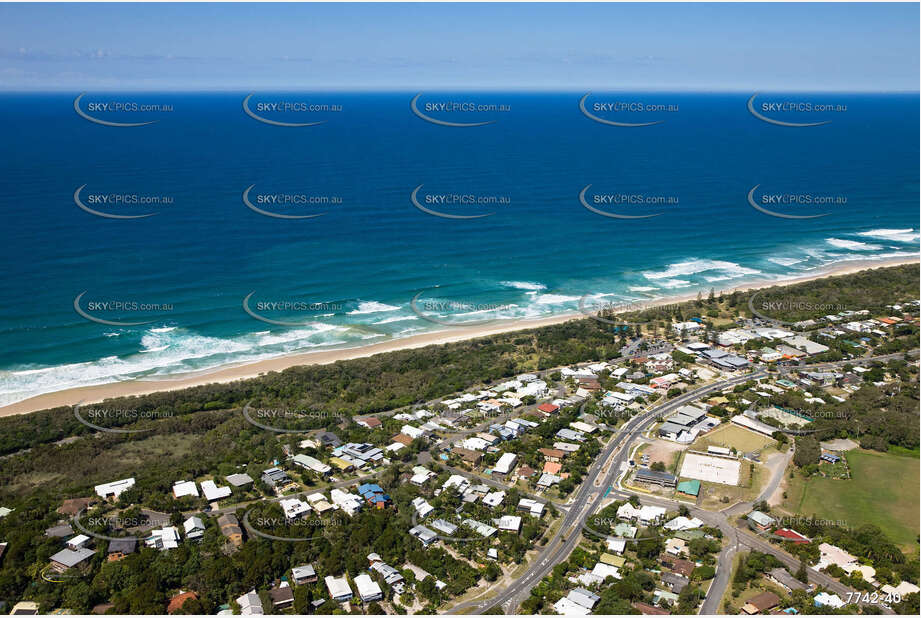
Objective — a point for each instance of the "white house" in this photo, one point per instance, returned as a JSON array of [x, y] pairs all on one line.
[[114, 489]]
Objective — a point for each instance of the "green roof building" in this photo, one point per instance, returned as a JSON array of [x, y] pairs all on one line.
[[691, 488]]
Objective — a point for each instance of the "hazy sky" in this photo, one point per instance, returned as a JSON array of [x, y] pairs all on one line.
[[743, 47]]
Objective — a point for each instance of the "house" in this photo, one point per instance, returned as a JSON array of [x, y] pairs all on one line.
[[675, 547], [583, 598], [683, 523], [565, 607], [484, 530], [213, 492], [194, 528], [294, 508], [68, 559], [552, 454], [374, 495], [114, 489], [304, 574], [327, 438], [525, 472], [761, 521], [511, 523], [275, 478], [230, 528], [421, 475], [552, 467], [423, 508], [402, 438], [177, 601], [686, 328], [250, 604], [494, 499], [444, 526], [368, 589], [793, 536], [119, 548], [761, 603], [390, 575], [164, 538], [680, 566], [350, 503], [339, 589], [426, 536], [81, 540], [548, 408], [675, 582], [782, 577], [468, 455], [182, 489], [535, 508], [616, 545], [370, 422], [646, 515], [312, 464], [824, 599], [547, 480], [282, 596], [239, 480], [831, 554]]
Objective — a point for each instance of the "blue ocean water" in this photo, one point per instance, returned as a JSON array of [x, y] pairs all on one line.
[[355, 270]]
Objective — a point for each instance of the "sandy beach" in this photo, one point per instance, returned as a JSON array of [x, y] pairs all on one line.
[[95, 394]]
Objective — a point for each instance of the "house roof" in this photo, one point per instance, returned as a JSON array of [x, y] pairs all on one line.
[[176, 603], [764, 601], [691, 488], [71, 558]]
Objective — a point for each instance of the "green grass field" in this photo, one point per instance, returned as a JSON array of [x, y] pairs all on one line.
[[728, 435], [883, 490]]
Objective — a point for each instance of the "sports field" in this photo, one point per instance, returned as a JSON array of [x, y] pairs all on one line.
[[882, 490], [728, 435]]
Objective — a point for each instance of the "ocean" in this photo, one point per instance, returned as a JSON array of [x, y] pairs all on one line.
[[209, 278]]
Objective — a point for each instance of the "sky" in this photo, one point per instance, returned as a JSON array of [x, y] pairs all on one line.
[[469, 46]]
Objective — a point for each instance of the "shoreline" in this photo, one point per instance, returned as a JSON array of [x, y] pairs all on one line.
[[231, 373]]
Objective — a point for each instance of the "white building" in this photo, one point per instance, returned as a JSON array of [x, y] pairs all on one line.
[[164, 539], [185, 488], [294, 507], [506, 463], [646, 515], [368, 590], [213, 492], [114, 489], [338, 587]]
